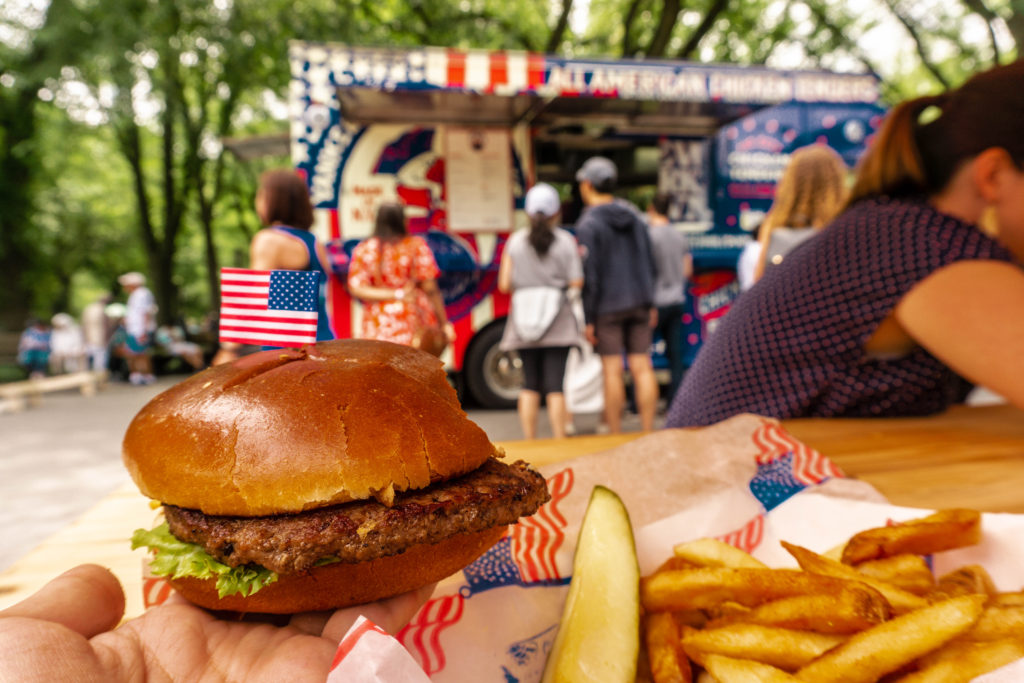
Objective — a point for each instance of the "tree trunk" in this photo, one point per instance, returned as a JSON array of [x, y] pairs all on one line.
[[628, 49], [693, 42], [667, 22], [17, 247], [982, 10], [919, 45], [559, 31]]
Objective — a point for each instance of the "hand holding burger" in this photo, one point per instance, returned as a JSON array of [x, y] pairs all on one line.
[[65, 632], [317, 478]]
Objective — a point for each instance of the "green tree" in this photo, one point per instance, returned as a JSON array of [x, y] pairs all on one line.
[[27, 59]]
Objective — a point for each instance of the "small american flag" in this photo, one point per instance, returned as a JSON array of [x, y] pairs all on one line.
[[268, 307]]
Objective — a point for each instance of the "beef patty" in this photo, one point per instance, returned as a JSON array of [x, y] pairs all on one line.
[[493, 494]]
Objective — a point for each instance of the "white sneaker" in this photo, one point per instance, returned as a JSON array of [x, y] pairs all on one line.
[[135, 378], [148, 379]]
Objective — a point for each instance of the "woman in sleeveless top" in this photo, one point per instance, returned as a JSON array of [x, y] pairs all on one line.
[[394, 274], [913, 292], [808, 196], [286, 243]]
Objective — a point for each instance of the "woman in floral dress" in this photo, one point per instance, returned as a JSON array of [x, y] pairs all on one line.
[[395, 276]]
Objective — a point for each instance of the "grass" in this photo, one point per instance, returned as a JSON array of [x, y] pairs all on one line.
[[10, 372]]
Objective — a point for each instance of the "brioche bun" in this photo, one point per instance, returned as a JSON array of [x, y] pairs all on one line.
[[342, 584], [290, 430]]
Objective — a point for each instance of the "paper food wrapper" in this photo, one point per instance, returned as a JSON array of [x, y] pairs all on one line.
[[745, 481]]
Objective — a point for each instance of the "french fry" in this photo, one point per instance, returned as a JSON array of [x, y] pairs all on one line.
[[727, 610], [782, 648], [848, 611], [885, 648], [1007, 600], [900, 600], [710, 552], [997, 623], [694, 618], [942, 530], [665, 655], [732, 670], [674, 562], [961, 662], [906, 571], [868, 610], [963, 581], [708, 587]]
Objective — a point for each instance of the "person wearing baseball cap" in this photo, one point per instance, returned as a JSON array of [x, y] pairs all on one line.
[[618, 290], [139, 325], [539, 266]]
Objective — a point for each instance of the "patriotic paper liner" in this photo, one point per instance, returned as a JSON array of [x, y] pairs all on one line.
[[745, 481]]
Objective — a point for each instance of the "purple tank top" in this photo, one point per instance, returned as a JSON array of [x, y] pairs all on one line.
[[792, 345]]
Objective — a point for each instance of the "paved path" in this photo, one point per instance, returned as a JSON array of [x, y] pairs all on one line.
[[59, 458]]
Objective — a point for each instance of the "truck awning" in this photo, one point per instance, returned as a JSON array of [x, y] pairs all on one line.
[[440, 85]]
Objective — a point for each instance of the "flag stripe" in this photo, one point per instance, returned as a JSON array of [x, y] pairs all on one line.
[[300, 327], [267, 315], [243, 290], [269, 339]]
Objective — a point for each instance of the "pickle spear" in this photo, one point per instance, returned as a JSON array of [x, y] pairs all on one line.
[[599, 635]]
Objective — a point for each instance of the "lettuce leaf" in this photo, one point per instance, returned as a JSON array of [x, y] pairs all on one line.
[[178, 559]]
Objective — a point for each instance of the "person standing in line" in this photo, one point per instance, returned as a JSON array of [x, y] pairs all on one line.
[[139, 325], [286, 243], [541, 267], [395, 275], [675, 267], [809, 195], [96, 331], [618, 291]]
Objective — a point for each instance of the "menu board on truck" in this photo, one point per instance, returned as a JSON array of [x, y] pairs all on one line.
[[478, 178]]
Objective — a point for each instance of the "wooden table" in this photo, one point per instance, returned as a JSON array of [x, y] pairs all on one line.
[[969, 457]]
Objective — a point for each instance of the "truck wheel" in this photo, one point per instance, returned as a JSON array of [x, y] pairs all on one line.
[[493, 376]]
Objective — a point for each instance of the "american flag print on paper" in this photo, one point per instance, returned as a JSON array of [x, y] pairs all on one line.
[[526, 556], [422, 635], [785, 466], [537, 539], [748, 537], [268, 307]]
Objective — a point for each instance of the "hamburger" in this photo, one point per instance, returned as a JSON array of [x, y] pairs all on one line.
[[320, 477]]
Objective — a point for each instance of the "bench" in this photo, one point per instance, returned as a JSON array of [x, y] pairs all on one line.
[[16, 396]]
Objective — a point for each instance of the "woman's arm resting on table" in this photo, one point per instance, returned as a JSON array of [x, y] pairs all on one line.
[[65, 632], [970, 315]]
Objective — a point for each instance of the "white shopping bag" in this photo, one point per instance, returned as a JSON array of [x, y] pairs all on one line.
[[584, 376]]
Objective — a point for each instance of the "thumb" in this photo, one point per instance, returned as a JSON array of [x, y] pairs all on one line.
[[87, 599]]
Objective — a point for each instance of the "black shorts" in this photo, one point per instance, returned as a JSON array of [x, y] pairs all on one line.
[[628, 331], [544, 368]]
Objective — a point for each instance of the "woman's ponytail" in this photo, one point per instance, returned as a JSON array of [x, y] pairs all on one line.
[[893, 164], [541, 237]]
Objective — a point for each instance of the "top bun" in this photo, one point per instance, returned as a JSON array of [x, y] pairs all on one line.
[[295, 429]]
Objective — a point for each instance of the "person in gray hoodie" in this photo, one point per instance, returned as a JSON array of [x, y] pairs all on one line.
[[618, 290]]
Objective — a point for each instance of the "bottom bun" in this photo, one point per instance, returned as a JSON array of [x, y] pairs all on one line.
[[343, 584]]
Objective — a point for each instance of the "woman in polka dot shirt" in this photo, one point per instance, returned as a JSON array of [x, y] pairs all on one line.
[[913, 293]]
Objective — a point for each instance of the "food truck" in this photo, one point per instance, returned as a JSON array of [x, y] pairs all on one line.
[[460, 135]]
